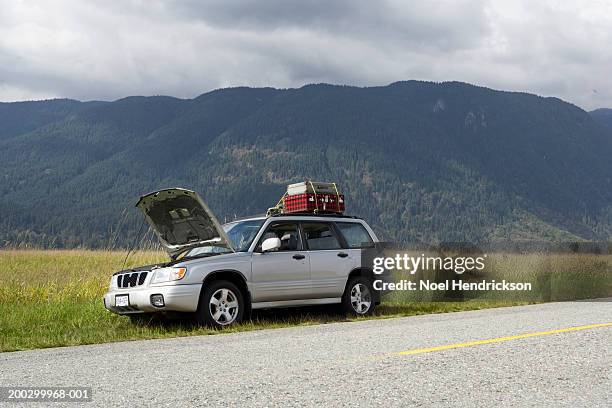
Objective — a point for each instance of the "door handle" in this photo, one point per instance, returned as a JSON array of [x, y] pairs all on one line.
[[299, 256], [342, 254]]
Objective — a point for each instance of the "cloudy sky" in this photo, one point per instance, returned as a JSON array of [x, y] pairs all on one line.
[[110, 49]]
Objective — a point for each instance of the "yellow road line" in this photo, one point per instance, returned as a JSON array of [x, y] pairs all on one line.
[[500, 339]]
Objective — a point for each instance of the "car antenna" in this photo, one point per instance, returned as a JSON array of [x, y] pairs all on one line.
[[133, 244]]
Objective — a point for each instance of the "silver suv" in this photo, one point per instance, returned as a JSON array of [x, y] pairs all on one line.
[[220, 273]]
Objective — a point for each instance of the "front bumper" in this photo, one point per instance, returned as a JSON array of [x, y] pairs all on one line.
[[177, 298]]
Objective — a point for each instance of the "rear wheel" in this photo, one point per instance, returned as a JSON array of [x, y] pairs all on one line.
[[358, 297], [221, 305]]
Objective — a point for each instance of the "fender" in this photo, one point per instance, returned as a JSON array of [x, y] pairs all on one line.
[[235, 277]]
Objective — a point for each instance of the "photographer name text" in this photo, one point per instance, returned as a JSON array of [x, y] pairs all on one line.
[[427, 285]]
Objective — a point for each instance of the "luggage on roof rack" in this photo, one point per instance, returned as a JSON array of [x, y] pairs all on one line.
[[313, 203], [310, 197], [312, 187]]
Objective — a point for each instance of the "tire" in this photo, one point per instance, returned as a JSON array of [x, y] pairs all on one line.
[[358, 298], [221, 305]]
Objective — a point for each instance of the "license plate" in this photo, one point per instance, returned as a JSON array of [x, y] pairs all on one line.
[[122, 300]]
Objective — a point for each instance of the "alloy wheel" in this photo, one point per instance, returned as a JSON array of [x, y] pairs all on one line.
[[361, 298], [224, 306]]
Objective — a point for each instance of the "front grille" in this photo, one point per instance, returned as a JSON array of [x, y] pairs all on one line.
[[130, 280]]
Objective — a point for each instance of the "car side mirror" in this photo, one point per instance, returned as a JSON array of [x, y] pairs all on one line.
[[271, 244]]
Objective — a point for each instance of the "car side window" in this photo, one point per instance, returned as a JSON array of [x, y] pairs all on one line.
[[288, 234], [355, 234], [320, 235]]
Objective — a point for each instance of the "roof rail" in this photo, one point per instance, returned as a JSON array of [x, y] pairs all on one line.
[[331, 215]]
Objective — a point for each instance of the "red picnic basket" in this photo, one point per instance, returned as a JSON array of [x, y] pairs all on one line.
[[313, 203], [312, 197]]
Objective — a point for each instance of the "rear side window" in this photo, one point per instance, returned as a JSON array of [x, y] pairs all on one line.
[[355, 234], [319, 235]]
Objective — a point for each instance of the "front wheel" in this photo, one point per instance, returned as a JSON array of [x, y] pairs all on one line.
[[221, 304], [358, 297]]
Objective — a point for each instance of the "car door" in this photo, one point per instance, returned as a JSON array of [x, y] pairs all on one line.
[[330, 263], [356, 237], [283, 274]]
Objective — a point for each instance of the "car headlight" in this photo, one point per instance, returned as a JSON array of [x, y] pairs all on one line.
[[168, 274]]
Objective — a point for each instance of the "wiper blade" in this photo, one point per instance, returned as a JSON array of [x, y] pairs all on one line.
[[205, 255]]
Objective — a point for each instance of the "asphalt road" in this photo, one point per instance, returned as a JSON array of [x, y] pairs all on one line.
[[351, 364]]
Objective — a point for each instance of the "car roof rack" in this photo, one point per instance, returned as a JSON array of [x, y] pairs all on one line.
[[330, 215]]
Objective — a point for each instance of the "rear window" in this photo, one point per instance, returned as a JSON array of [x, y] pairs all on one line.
[[355, 234]]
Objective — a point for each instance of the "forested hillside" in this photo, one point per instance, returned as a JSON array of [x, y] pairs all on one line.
[[604, 117], [420, 161]]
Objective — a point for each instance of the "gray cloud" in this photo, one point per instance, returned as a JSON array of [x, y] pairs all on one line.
[[107, 50], [433, 24]]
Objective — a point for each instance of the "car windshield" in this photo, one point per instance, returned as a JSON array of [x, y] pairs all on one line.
[[240, 234]]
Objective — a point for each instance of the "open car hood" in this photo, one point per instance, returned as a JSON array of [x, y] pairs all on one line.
[[182, 220]]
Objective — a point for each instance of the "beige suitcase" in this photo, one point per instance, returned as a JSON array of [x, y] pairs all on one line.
[[312, 187]]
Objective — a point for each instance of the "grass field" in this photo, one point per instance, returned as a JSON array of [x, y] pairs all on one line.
[[54, 298]]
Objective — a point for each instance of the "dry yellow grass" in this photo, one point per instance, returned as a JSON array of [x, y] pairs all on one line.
[[55, 275]]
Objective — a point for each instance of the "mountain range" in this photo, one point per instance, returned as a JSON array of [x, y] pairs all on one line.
[[420, 161]]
